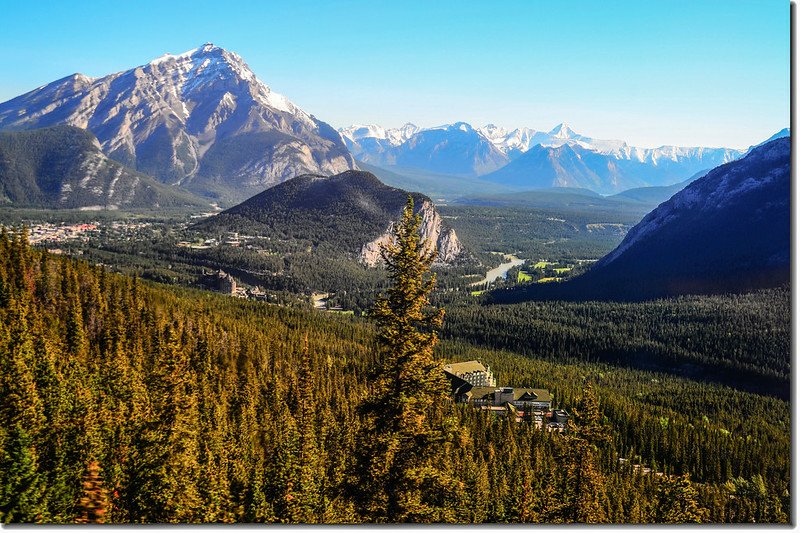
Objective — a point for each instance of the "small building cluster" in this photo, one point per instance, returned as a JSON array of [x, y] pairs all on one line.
[[473, 383]]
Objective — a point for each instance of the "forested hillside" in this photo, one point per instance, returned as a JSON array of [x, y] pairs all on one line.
[[62, 167], [176, 405], [738, 339]]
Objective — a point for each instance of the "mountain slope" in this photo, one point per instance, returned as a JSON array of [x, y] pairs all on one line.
[[655, 195], [350, 213], [563, 166], [445, 186], [199, 119], [63, 167], [725, 232]]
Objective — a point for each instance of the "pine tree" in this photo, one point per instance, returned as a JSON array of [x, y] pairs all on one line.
[[588, 418], [678, 502], [22, 485], [585, 490], [163, 475], [402, 472]]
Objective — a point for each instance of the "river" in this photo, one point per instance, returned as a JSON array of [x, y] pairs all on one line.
[[500, 271]]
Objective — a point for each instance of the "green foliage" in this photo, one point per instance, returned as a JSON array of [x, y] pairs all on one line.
[[406, 440], [196, 407], [741, 339], [46, 168]]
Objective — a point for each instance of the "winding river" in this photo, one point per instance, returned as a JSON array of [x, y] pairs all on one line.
[[500, 271]]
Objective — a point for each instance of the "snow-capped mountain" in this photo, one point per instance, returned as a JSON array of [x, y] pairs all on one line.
[[200, 119], [728, 231], [395, 136], [455, 149], [564, 165], [579, 164], [605, 166], [370, 142], [512, 143]]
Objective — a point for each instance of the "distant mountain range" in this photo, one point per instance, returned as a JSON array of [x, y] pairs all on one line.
[[728, 231], [63, 167], [350, 213], [201, 120], [455, 149], [527, 159]]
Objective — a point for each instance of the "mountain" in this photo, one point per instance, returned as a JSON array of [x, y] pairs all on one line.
[[655, 195], [725, 232], [558, 157], [566, 165], [785, 132], [607, 172], [369, 143], [454, 149], [566, 199], [349, 213], [63, 167], [512, 143], [446, 187], [201, 120]]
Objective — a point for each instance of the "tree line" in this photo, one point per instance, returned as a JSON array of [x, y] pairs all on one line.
[[140, 403]]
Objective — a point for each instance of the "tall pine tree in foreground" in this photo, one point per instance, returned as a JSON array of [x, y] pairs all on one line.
[[404, 456]]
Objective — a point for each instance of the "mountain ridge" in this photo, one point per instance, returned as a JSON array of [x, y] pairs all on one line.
[[165, 117], [728, 231], [571, 159], [63, 167]]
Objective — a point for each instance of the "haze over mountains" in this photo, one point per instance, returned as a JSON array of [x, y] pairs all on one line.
[[526, 159], [728, 231], [201, 120]]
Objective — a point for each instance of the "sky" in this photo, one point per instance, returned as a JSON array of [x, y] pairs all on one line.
[[679, 72]]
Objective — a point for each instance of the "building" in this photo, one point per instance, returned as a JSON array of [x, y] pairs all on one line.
[[523, 399], [474, 384], [473, 372], [220, 281]]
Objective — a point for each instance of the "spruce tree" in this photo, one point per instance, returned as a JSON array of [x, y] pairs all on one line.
[[402, 472], [678, 502]]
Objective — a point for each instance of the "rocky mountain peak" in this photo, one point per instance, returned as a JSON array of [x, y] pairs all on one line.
[[201, 119]]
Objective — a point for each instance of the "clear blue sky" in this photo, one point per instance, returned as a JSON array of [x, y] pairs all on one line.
[[686, 72]]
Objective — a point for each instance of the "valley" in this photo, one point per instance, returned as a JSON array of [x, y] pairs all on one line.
[[217, 307]]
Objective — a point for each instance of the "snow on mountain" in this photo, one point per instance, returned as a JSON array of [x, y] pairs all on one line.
[[517, 141], [456, 149], [724, 186], [727, 231], [395, 136], [201, 119], [562, 132]]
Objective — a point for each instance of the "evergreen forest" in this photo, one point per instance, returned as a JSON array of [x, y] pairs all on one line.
[[127, 401]]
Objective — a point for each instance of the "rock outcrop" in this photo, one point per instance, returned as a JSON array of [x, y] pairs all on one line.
[[432, 231]]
